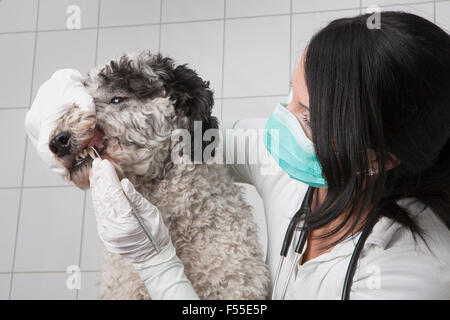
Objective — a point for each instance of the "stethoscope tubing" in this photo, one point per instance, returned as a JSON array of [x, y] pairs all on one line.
[[305, 209], [289, 235]]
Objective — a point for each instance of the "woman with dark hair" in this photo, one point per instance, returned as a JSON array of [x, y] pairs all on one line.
[[376, 105], [362, 148]]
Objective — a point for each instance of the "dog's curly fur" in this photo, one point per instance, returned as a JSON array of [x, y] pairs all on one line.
[[210, 224]]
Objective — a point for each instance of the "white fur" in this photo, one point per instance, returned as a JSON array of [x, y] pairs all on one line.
[[211, 226]]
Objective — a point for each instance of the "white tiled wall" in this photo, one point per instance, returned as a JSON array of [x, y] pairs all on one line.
[[50, 17], [199, 45], [192, 10], [304, 25], [251, 8], [114, 42], [115, 13], [256, 48], [442, 12], [16, 89], [246, 48]]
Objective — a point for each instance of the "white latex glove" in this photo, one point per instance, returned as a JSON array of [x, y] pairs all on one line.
[[117, 227], [55, 97], [163, 272]]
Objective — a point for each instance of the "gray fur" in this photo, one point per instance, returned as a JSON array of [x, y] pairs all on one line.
[[210, 224]]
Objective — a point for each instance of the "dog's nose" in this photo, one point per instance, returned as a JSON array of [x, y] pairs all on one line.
[[60, 144]]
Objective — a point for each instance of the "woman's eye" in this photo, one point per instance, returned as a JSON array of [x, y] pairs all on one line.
[[117, 100], [306, 120]]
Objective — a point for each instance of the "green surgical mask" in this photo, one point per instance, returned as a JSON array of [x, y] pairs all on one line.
[[288, 144]]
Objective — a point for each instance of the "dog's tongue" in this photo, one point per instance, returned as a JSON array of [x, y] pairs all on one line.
[[97, 140]]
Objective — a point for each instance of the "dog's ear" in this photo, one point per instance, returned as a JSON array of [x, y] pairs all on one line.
[[193, 97]]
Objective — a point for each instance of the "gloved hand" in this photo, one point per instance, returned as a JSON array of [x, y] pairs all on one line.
[[54, 99], [117, 227], [162, 272]]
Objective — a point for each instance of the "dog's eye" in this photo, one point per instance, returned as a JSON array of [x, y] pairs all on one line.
[[117, 100]]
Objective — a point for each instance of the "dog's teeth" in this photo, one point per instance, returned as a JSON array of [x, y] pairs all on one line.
[[84, 153], [92, 154]]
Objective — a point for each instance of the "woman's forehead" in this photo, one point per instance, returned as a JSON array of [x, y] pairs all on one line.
[[299, 81]]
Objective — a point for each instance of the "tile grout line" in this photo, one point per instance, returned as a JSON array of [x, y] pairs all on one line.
[[19, 209], [45, 272], [36, 187], [434, 11], [98, 32], [223, 57], [160, 25], [13, 108], [83, 216], [250, 97]]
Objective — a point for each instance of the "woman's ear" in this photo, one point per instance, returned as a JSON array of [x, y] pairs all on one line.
[[391, 161]]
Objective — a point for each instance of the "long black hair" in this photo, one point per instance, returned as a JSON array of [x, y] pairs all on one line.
[[386, 90]]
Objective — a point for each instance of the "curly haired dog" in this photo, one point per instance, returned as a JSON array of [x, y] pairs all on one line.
[[141, 100]]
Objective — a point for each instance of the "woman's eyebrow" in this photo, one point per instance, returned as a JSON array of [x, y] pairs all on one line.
[[307, 108]]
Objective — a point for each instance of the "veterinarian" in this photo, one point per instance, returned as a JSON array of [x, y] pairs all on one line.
[[363, 147]]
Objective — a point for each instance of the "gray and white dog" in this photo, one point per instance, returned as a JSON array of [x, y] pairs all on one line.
[[140, 101]]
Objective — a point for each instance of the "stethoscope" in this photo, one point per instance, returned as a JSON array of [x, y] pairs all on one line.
[[304, 210]]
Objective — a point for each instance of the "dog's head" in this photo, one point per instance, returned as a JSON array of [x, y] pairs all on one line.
[[140, 101]]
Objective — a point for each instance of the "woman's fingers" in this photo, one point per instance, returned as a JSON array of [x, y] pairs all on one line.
[[138, 202]]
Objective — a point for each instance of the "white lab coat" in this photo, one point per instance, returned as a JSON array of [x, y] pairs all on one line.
[[391, 264]]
